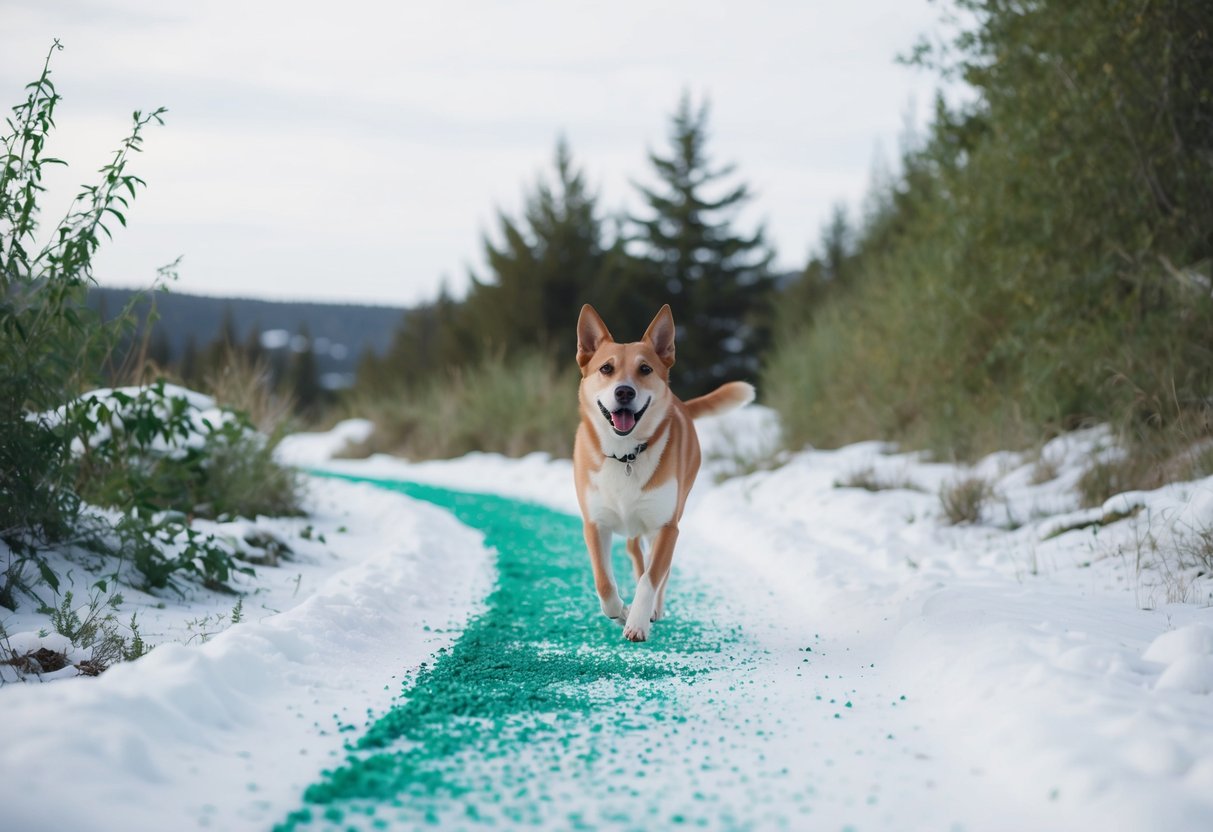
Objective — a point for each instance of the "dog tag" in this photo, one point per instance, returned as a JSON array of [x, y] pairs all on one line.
[[627, 469]]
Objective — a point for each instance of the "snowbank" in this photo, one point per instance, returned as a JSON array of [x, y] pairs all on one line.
[[1048, 667], [227, 733]]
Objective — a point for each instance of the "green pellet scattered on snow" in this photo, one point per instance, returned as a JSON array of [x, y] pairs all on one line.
[[539, 682]]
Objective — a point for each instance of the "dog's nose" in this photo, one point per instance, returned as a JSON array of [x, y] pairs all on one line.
[[624, 394]]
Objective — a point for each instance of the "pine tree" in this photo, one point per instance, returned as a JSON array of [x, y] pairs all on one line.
[[717, 282], [429, 340], [189, 361], [545, 267], [159, 349], [220, 353], [303, 377]]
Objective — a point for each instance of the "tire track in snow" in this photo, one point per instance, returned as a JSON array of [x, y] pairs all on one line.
[[542, 715]]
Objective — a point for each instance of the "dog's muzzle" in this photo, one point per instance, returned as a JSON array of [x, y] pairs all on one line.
[[624, 420]]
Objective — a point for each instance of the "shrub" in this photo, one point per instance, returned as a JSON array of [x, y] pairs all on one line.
[[163, 455], [47, 338], [161, 448], [508, 405], [1013, 282], [867, 479], [158, 457], [964, 499]]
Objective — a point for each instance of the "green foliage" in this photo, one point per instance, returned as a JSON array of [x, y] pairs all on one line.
[[162, 459], [94, 626], [1044, 260], [155, 449], [148, 455], [47, 339]]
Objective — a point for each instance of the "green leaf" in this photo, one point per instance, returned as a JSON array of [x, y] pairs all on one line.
[[48, 575]]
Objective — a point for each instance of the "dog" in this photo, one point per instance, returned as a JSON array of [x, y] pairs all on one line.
[[635, 458]]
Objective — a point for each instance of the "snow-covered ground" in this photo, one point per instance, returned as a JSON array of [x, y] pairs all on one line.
[[1038, 669]]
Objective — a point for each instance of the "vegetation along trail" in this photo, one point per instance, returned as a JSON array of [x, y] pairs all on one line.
[[541, 715]]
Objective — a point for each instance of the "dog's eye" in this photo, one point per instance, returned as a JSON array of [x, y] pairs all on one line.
[[645, 369], [606, 369]]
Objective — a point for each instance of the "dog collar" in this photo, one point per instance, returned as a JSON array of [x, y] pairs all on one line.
[[628, 459]]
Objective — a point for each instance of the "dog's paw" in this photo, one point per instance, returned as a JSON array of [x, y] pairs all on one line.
[[622, 618], [615, 609], [637, 626], [637, 632]]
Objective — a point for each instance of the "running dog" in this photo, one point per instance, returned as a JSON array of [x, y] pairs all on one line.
[[635, 458]]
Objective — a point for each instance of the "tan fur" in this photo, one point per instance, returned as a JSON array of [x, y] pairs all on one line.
[[644, 498]]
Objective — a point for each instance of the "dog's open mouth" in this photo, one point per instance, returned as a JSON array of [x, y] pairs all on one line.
[[623, 421]]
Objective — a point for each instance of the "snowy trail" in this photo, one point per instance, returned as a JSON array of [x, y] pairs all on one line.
[[1056, 667], [735, 716]]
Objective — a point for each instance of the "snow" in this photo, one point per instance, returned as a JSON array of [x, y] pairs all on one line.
[[1038, 669], [227, 732]]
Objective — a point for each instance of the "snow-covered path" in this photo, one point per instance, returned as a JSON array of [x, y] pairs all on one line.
[[1056, 669], [738, 715], [825, 666]]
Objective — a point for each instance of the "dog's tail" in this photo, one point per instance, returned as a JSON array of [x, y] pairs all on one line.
[[724, 398]]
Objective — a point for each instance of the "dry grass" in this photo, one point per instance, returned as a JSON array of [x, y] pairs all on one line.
[[867, 479], [964, 499], [512, 406], [246, 386]]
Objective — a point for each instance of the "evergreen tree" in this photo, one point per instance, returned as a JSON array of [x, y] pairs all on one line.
[[717, 282], [829, 269], [221, 350], [430, 339], [189, 361], [254, 353], [303, 377], [159, 350], [545, 267]]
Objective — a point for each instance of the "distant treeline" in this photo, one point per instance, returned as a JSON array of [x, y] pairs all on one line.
[[189, 324]]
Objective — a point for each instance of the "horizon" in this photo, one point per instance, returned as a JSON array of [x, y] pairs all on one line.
[[361, 156]]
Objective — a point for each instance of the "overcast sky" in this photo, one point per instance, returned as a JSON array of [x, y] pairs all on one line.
[[358, 150]]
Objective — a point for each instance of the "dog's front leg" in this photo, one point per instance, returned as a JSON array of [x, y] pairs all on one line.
[[598, 541], [645, 603]]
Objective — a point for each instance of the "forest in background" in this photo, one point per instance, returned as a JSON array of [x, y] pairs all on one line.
[[1042, 261]]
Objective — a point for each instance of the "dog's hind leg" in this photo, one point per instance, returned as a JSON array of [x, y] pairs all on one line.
[[659, 606], [598, 541], [637, 553]]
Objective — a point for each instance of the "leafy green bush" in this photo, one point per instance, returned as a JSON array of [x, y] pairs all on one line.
[[160, 448], [163, 455], [47, 339], [151, 455]]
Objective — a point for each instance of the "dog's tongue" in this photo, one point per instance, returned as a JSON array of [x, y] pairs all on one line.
[[623, 420]]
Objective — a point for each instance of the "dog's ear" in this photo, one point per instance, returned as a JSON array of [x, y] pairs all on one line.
[[591, 334], [661, 335]]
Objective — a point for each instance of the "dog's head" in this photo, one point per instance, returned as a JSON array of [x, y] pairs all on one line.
[[623, 385]]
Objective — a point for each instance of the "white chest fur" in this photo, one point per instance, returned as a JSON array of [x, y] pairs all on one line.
[[618, 501]]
